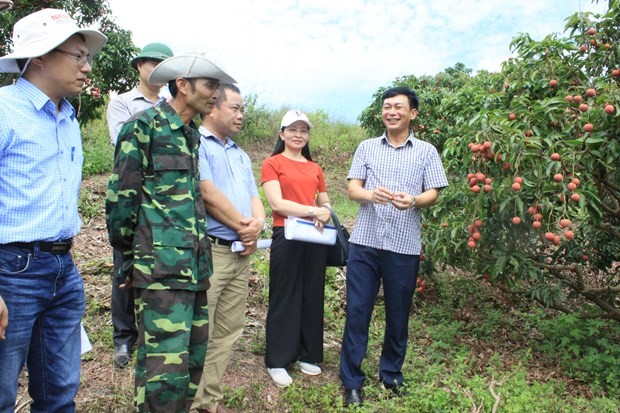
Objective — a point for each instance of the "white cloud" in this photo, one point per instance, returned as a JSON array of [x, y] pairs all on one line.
[[334, 54]]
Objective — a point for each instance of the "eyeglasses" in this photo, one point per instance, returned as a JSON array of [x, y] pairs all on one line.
[[294, 131], [80, 58]]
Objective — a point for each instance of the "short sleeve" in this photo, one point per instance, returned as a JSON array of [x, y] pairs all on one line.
[[434, 173], [358, 166], [268, 170]]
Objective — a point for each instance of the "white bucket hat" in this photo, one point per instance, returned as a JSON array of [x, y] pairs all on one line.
[[188, 66], [42, 31], [293, 116], [5, 5]]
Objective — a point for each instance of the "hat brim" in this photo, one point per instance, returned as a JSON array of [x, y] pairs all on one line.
[[94, 39], [188, 66], [5, 5], [134, 61]]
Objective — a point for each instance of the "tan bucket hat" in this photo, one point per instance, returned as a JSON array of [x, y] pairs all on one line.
[[188, 66]]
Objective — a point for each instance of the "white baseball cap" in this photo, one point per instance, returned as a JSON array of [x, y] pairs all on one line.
[[41, 32], [189, 66], [293, 116]]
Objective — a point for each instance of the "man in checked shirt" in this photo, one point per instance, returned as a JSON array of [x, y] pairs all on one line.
[[392, 176]]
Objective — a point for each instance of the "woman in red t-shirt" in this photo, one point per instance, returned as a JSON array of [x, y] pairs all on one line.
[[295, 186]]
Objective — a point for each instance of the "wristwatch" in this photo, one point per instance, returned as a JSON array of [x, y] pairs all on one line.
[[265, 224], [413, 202], [310, 212]]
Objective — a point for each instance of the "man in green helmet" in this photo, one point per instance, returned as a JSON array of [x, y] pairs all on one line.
[[120, 110]]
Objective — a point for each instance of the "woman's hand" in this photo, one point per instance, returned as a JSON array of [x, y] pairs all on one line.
[[322, 215]]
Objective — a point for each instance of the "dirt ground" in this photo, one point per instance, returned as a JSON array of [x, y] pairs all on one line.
[[105, 388]]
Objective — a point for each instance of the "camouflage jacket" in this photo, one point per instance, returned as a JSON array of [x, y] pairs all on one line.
[[154, 209]]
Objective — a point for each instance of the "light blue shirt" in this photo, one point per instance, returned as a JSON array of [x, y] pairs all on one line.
[[414, 167], [40, 166], [230, 169]]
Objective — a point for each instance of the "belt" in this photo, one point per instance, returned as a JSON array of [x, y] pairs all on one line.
[[220, 241], [55, 247]]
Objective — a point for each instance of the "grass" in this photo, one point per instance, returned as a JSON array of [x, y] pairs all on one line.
[[98, 152], [471, 348]]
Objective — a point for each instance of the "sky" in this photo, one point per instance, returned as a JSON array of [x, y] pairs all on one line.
[[334, 54]]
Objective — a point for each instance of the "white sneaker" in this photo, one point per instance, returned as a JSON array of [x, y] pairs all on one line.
[[280, 377], [308, 368]]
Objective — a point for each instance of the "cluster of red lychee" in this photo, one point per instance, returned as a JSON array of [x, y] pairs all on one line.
[[420, 285], [481, 150], [583, 106], [479, 182], [474, 233], [91, 90]]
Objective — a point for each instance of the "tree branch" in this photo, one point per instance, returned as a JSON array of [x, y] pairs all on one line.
[[607, 227]]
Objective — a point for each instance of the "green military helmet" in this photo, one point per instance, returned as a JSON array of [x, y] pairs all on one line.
[[156, 51]]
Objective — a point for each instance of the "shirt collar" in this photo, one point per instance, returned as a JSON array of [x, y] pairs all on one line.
[[409, 141], [39, 99], [208, 134], [174, 120], [135, 94]]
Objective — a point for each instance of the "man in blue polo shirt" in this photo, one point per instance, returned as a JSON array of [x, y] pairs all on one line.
[[234, 213], [40, 174], [392, 177]]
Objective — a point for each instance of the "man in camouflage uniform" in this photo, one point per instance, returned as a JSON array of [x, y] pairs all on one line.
[[156, 218]]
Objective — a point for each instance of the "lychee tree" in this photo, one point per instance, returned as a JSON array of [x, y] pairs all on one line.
[[533, 154]]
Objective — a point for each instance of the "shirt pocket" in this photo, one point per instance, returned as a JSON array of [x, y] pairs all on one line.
[[172, 174], [173, 252]]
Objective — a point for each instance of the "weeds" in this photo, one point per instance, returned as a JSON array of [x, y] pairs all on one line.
[[471, 348]]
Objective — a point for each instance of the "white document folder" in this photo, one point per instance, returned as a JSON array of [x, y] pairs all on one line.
[[237, 246], [303, 230]]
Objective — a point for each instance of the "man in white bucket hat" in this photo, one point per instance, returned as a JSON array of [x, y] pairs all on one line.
[[156, 218], [40, 174]]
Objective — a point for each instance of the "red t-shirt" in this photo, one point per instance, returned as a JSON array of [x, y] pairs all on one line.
[[299, 181]]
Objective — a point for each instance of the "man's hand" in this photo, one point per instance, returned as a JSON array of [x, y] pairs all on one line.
[[251, 232], [381, 195], [249, 249], [403, 200], [127, 285], [4, 319]]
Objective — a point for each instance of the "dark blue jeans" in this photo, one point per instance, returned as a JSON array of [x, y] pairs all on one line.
[[366, 269], [44, 294]]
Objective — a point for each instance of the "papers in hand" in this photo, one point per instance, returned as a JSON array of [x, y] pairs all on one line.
[[85, 342], [237, 246], [303, 230]]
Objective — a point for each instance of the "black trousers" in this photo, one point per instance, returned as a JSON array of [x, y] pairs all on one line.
[[123, 314], [294, 328]]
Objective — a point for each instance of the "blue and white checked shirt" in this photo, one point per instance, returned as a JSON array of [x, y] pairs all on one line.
[[40, 166], [230, 169], [413, 168]]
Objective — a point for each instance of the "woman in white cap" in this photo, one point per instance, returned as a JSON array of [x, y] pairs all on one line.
[[40, 174], [295, 186]]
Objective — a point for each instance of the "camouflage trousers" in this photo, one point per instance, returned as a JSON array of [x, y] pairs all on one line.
[[173, 332]]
